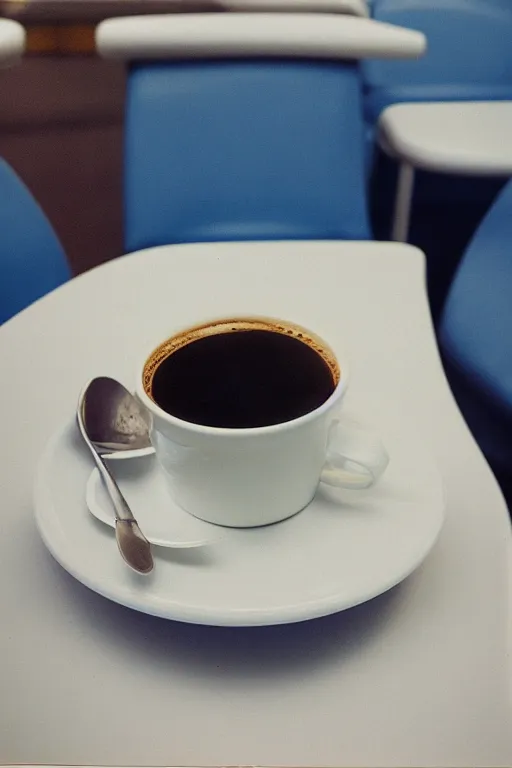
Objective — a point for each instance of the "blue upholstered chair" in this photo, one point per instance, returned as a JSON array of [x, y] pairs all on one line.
[[475, 334], [246, 126], [32, 261], [469, 56]]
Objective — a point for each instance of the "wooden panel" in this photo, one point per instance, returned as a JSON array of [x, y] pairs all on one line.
[[72, 39]]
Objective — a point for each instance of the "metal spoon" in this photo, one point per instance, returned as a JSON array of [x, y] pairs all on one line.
[[111, 419], [117, 423]]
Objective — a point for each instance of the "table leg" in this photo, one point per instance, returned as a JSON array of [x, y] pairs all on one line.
[[403, 203]]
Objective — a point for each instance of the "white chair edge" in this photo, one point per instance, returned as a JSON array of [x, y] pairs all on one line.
[[352, 7], [12, 42], [216, 35]]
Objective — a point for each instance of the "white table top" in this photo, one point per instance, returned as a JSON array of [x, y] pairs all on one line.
[[247, 35], [416, 677], [451, 137], [12, 42]]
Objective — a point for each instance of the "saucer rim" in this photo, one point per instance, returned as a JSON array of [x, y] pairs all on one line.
[[203, 615]]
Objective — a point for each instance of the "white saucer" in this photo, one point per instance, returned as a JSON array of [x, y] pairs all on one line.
[[143, 485], [344, 549]]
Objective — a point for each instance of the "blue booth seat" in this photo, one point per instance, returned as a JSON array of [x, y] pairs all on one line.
[[246, 125], [247, 149], [475, 334], [32, 261], [469, 58], [469, 55]]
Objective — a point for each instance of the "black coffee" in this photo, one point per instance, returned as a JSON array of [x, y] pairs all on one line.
[[242, 378]]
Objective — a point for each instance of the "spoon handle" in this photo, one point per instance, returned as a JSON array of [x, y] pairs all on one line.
[[122, 510], [133, 545]]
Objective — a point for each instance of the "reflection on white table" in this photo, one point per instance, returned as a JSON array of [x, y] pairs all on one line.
[[12, 42], [466, 138], [419, 676]]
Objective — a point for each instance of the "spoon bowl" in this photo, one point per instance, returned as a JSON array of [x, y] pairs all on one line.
[[118, 425]]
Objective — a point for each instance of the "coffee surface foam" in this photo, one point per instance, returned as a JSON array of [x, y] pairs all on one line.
[[234, 325]]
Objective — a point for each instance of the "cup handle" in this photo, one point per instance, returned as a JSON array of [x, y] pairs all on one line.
[[356, 457]]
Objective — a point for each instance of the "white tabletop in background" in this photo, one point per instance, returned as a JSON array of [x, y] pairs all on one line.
[[418, 676], [451, 137], [248, 35]]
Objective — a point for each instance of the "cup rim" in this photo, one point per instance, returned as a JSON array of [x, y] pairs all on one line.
[[236, 432]]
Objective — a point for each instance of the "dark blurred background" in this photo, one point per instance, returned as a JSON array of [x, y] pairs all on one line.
[[61, 130], [61, 114]]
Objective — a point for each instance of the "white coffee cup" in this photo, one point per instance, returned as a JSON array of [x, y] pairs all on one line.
[[256, 476]]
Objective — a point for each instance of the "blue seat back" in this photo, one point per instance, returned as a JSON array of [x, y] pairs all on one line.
[[243, 149], [475, 335], [469, 55], [476, 325], [32, 261]]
